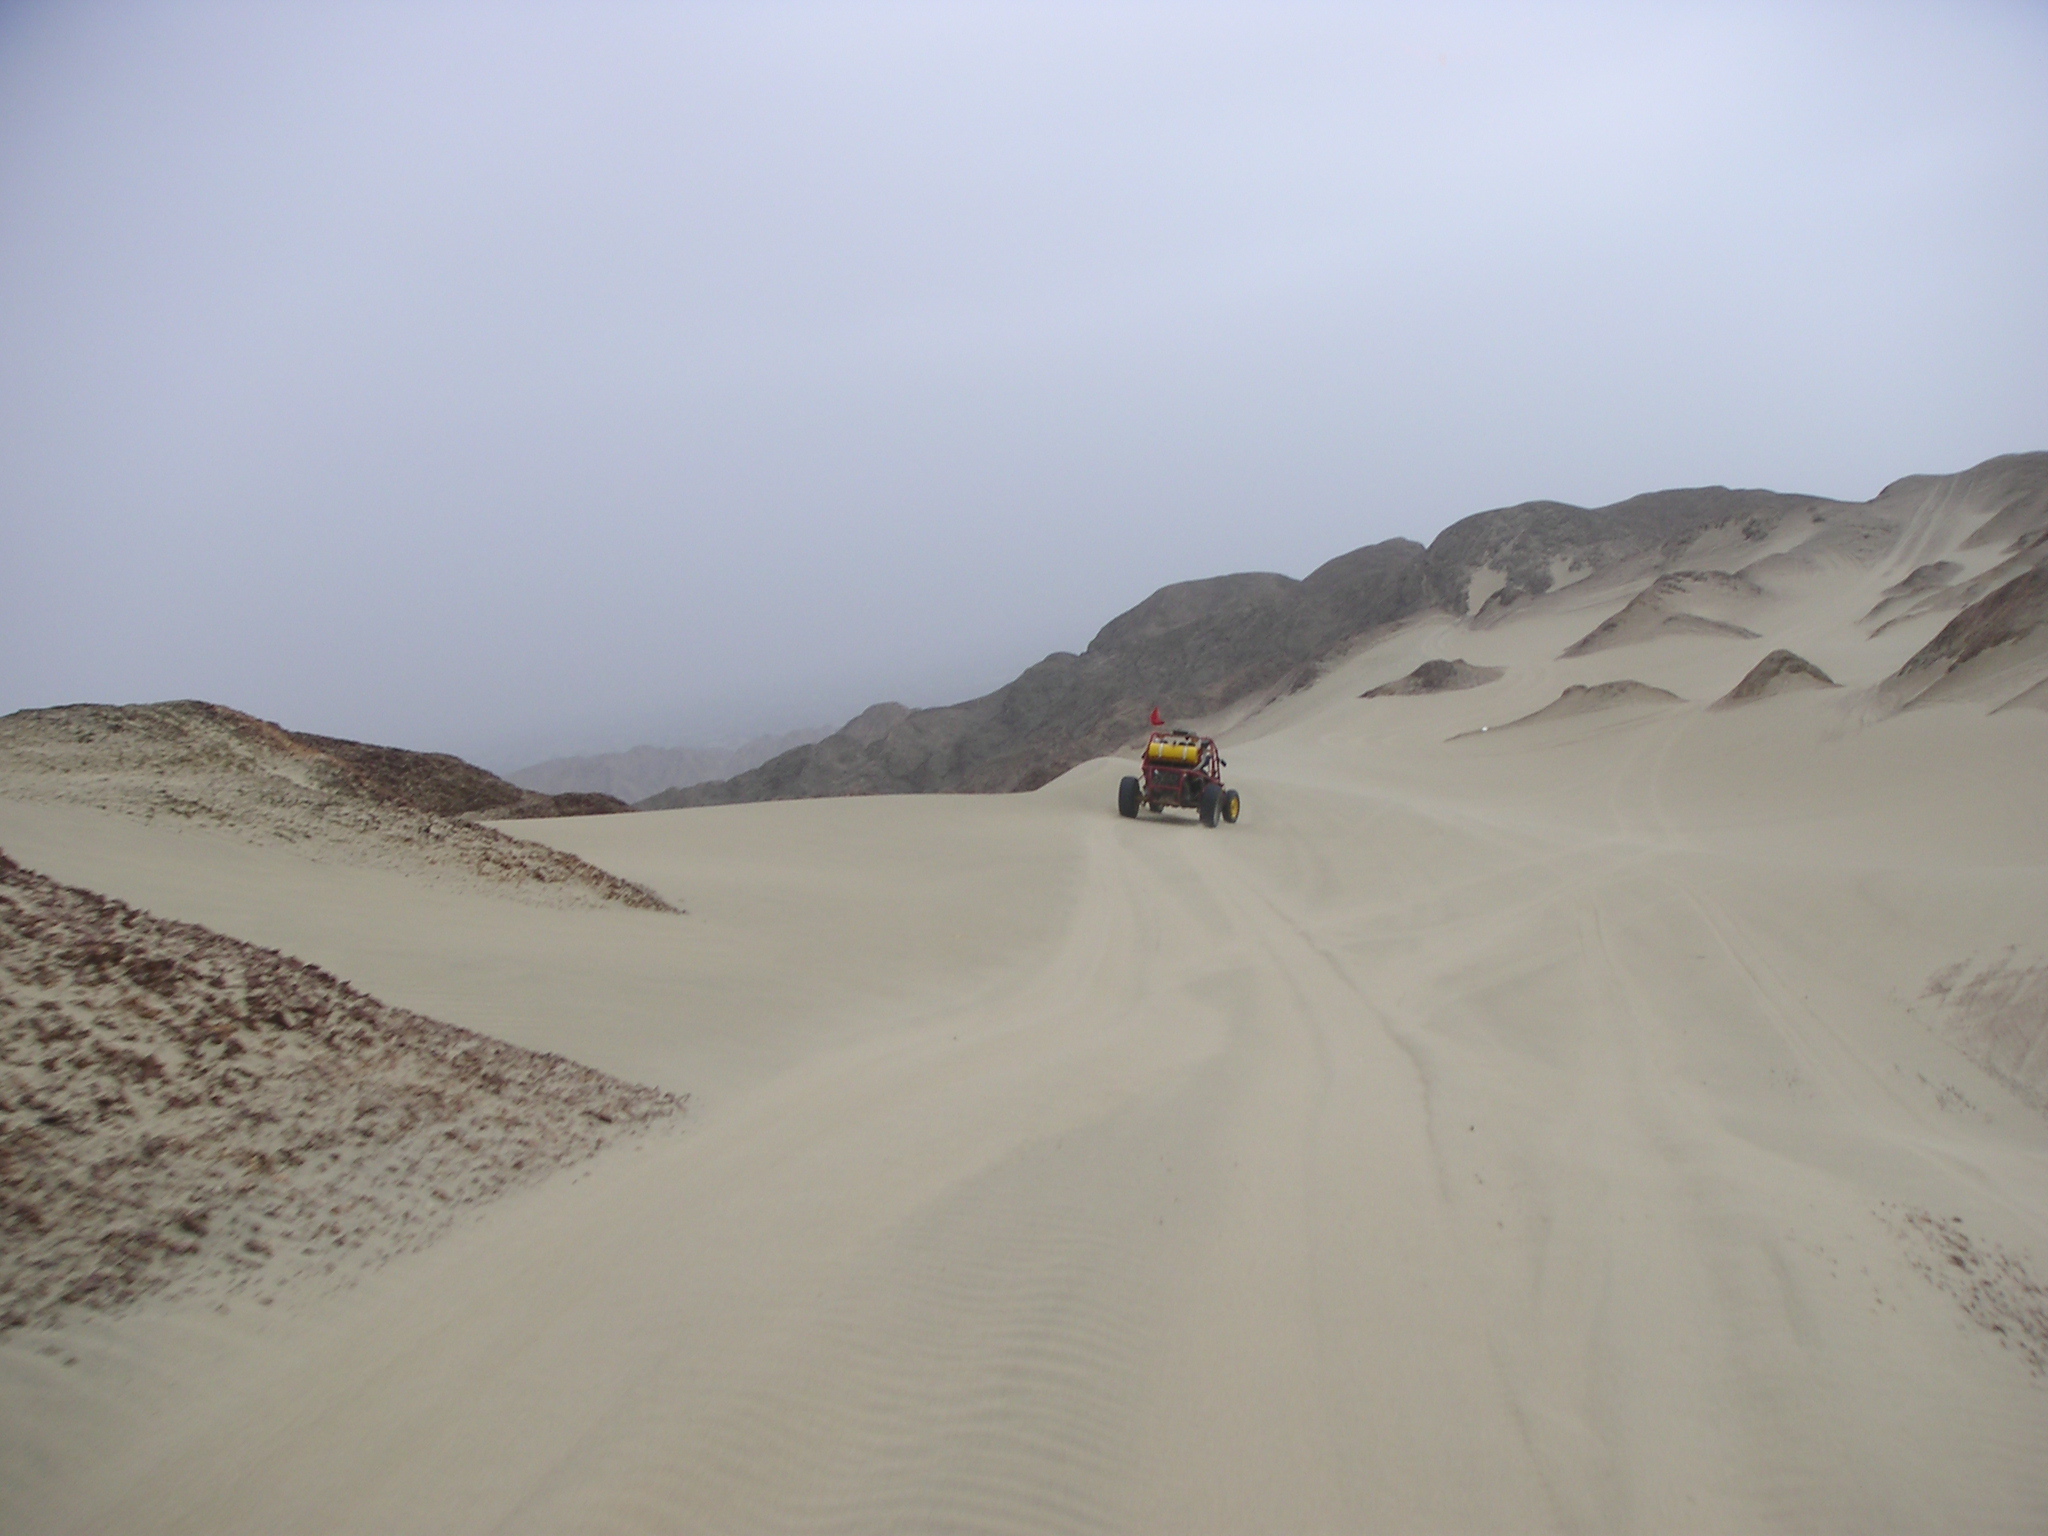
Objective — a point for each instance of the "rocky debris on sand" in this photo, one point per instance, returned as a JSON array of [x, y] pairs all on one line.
[[183, 1111], [1996, 1013], [377, 806], [1990, 1284], [1780, 672]]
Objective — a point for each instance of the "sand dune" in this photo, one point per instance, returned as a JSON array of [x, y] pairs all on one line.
[[1628, 1124], [1995, 648], [2035, 697], [643, 771], [1911, 595], [1953, 596], [1587, 699], [1683, 602]]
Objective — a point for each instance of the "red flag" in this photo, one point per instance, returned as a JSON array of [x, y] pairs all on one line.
[[1157, 718]]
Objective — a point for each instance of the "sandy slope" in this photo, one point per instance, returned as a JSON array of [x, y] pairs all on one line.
[[1589, 1126], [348, 801]]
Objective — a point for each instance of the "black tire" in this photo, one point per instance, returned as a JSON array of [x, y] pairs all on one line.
[[1127, 798], [1212, 797], [1230, 806]]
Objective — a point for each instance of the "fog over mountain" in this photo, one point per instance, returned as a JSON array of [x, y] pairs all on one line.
[[644, 771], [541, 381]]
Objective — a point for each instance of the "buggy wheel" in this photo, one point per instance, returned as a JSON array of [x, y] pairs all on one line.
[[1230, 806], [1212, 798], [1127, 798]]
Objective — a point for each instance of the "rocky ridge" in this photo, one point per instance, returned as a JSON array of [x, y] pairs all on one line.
[[253, 781], [1199, 647]]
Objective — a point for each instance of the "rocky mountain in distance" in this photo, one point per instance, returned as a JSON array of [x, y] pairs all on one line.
[[1200, 646], [643, 771], [1190, 649]]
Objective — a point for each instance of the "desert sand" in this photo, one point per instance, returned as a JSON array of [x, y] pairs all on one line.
[[1633, 1121]]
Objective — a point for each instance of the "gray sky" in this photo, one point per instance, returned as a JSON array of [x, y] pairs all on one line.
[[516, 380]]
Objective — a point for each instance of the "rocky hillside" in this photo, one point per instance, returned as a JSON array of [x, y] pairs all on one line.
[[1197, 647], [179, 1109], [442, 783], [422, 812]]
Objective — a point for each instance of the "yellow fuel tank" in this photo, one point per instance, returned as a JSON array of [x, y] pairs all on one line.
[[1182, 752]]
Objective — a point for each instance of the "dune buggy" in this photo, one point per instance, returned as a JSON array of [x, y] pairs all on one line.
[[1180, 769]]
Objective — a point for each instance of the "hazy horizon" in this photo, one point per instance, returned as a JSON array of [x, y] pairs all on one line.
[[533, 383]]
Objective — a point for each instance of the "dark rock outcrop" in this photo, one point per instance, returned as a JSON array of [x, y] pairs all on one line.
[[2009, 623], [1780, 672], [1437, 676]]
